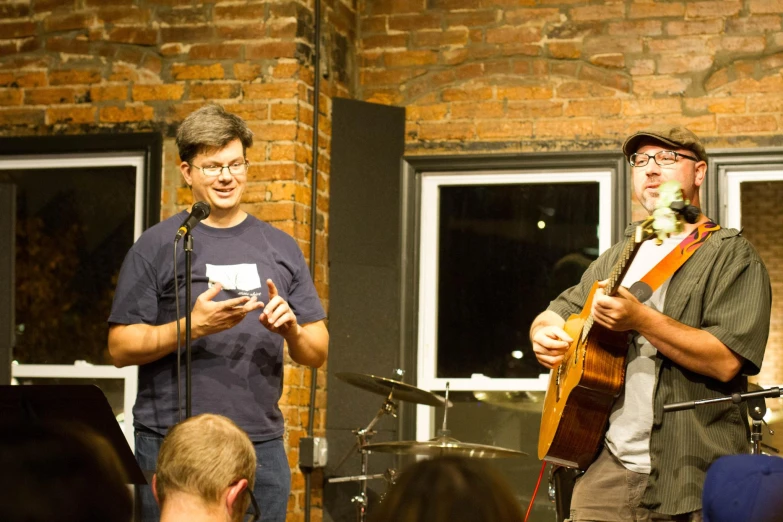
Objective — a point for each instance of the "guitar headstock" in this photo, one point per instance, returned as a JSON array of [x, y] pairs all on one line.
[[666, 219]]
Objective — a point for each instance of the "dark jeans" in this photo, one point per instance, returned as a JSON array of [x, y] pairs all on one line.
[[273, 478]]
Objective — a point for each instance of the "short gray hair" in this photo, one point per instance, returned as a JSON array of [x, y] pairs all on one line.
[[211, 128]]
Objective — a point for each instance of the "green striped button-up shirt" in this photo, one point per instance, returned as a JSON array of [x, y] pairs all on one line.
[[724, 289]]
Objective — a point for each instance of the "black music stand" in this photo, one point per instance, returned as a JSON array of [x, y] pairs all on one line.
[[84, 403]]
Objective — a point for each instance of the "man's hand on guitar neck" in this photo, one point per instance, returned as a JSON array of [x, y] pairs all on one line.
[[550, 341], [618, 313]]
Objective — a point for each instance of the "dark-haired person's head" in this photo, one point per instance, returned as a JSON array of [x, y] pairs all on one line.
[[449, 488], [64, 472]]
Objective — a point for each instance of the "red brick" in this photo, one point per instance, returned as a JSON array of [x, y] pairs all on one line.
[[415, 22], [651, 106], [270, 50], [473, 110], [743, 44], [128, 113], [715, 105], [133, 35], [513, 35], [572, 90], [564, 50], [68, 21], [188, 33], [247, 71], [534, 109], [612, 61], [10, 30], [185, 15], [691, 27], [378, 7], [635, 28], [123, 15], [746, 124], [69, 45], [446, 131], [277, 131], [661, 85], [21, 116], [239, 12], [52, 95], [679, 64], [467, 94], [687, 44], [115, 92], [74, 77], [157, 92], [23, 79], [615, 80], [564, 129], [410, 58], [272, 171], [713, 9], [524, 92], [473, 18], [435, 112], [523, 16], [657, 10], [215, 51], [383, 41], [197, 72], [439, 38], [10, 97], [70, 115], [597, 12], [765, 6], [283, 28], [271, 91], [214, 91], [753, 24], [504, 129], [611, 44], [17, 10], [284, 111]]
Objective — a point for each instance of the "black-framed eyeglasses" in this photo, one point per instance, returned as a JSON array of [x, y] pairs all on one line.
[[236, 169], [255, 514], [662, 158]]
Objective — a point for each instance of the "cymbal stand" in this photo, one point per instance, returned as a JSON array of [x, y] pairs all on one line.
[[363, 436]]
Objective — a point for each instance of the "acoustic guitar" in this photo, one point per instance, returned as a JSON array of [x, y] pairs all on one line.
[[584, 386]]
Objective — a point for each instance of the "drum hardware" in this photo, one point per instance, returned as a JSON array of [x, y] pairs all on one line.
[[392, 389]]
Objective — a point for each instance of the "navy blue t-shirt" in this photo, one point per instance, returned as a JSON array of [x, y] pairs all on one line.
[[237, 372]]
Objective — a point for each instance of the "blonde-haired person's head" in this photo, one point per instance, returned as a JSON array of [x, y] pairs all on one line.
[[207, 457]]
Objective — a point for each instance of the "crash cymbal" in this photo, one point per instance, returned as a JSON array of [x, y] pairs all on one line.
[[442, 446], [527, 401], [384, 386]]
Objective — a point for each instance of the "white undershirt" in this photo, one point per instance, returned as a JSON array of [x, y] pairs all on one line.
[[630, 422]]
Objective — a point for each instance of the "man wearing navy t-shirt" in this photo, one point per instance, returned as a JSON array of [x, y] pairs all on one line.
[[252, 291]]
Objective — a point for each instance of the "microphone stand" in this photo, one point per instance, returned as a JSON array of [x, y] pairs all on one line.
[[188, 247], [757, 409]]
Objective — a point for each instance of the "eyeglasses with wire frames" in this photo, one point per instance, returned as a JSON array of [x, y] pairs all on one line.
[[255, 515], [663, 158], [236, 169]]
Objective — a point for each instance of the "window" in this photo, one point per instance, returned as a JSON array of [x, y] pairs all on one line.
[[72, 216]]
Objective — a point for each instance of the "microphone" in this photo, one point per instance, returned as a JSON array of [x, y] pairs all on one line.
[[689, 212], [199, 211]]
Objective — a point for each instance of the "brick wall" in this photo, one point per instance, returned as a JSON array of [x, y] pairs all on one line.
[[537, 75], [88, 66]]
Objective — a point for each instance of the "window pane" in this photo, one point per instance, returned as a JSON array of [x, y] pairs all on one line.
[[73, 228], [505, 251]]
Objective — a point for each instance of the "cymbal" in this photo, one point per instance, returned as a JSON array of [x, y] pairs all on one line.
[[442, 446], [526, 401], [384, 386]]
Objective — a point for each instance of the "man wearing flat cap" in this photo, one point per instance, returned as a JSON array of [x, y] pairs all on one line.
[[699, 331]]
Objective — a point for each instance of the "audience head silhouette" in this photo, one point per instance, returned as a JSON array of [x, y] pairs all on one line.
[[448, 488], [60, 471]]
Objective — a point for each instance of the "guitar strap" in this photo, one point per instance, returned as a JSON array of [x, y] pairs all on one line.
[[644, 288]]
